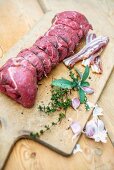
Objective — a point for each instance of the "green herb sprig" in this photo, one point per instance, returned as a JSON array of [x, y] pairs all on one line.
[[35, 135], [77, 83], [59, 100]]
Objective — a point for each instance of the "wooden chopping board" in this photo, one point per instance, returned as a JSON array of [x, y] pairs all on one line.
[[17, 121]]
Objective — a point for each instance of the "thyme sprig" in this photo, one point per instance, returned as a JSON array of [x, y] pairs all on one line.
[[35, 135], [59, 100]]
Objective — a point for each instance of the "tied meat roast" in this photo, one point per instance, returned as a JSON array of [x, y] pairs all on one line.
[[19, 76]]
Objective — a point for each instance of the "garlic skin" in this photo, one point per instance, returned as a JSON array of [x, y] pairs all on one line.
[[95, 129], [77, 149], [97, 111]]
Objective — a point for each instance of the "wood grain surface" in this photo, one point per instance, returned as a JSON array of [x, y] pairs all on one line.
[[16, 19], [30, 155], [15, 124], [107, 101]]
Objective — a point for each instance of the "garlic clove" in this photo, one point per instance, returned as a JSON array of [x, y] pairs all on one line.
[[76, 128], [88, 90], [75, 103]]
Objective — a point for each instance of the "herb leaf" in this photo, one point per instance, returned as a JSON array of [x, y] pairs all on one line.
[[79, 73], [86, 74], [63, 83], [85, 84], [87, 107], [82, 96]]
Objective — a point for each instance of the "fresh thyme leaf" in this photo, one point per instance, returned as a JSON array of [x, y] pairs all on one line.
[[63, 83], [85, 84], [47, 127], [79, 73], [61, 116], [34, 135], [59, 100], [41, 131], [73, 77], [85, 74], [81, 96], [87, 107]]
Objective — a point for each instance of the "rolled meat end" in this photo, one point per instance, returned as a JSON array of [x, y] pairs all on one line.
[[28, 55], [44, 44], [18, 82], [73, 19], [71, 24], [68, 22]]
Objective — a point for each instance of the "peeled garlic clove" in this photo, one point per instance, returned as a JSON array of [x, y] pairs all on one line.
[[76, 128], [75, 103], [88, 90], [90, 128]]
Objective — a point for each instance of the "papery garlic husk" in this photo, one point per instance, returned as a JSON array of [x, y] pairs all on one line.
[[95, 129], [97, 111], [77, 149]]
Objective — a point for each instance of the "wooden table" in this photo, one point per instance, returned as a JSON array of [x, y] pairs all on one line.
[[18, 17]]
